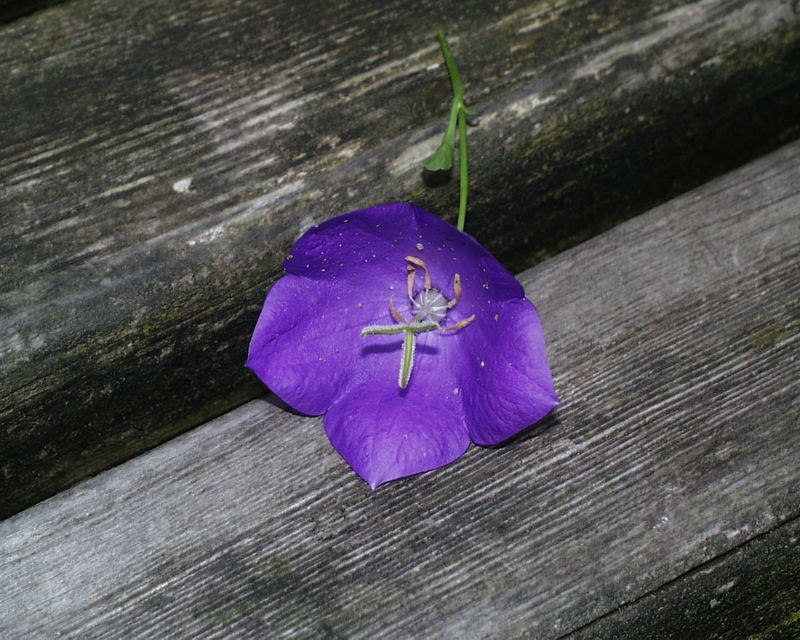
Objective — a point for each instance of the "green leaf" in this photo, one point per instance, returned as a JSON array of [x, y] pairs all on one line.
[[442, 159]]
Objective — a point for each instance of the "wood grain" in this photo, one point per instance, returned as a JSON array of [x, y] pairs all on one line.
[[750, 592], [673, 339], [158, 160]]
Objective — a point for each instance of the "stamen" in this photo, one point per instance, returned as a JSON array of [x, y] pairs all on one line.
[[459, 325], [421, 263], [429, 307], [395, 313], [457, 290]]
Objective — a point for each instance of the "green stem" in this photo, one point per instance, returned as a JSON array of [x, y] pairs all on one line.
[[457, 113], [450, 61], [463, 170]]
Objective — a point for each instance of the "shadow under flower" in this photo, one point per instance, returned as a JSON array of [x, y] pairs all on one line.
[[533, 431], [389, 347], [275, 401]]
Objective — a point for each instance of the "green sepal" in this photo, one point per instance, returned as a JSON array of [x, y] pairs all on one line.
[[442, 159]]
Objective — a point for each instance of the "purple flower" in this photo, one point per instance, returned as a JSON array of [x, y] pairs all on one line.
[[394, 288]]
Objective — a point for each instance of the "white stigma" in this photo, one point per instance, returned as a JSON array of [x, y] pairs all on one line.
[[429, 305]]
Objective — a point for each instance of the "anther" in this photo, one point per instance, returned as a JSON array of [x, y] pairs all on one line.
[[412, 274], [456, 290], [459, 325], [421, 263], [395, 313]]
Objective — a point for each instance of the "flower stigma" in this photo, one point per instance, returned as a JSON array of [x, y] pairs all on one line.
[[429, 308]]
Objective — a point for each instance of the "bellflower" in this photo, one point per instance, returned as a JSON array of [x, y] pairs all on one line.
[[393, 288]]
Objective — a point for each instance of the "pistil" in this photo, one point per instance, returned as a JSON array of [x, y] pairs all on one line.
[[430, 308]]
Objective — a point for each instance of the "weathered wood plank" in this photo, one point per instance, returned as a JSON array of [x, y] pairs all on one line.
[[127, 293], [15, 9], [751, 592], [673, 339]]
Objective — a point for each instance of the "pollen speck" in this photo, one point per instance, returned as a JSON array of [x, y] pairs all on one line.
[[483, 364], [497, 317], [420, 246], [456, 391]]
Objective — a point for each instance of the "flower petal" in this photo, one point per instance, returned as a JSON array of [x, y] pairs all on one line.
[[386, 433], [508, 385], [306, 346], [486, 380]]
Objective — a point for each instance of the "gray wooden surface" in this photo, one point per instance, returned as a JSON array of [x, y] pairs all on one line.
[[158, 159], [673, 339], [751, 592]]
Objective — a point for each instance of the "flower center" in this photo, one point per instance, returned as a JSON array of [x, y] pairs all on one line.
[[429, 306]]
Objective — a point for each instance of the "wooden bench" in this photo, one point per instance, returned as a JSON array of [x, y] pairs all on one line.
[[158, 160], [660, 500]]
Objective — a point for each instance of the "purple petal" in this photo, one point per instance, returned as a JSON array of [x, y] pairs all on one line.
[[486, 380], [386, 433], [507, 385], [306, 341], [306, 346]]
